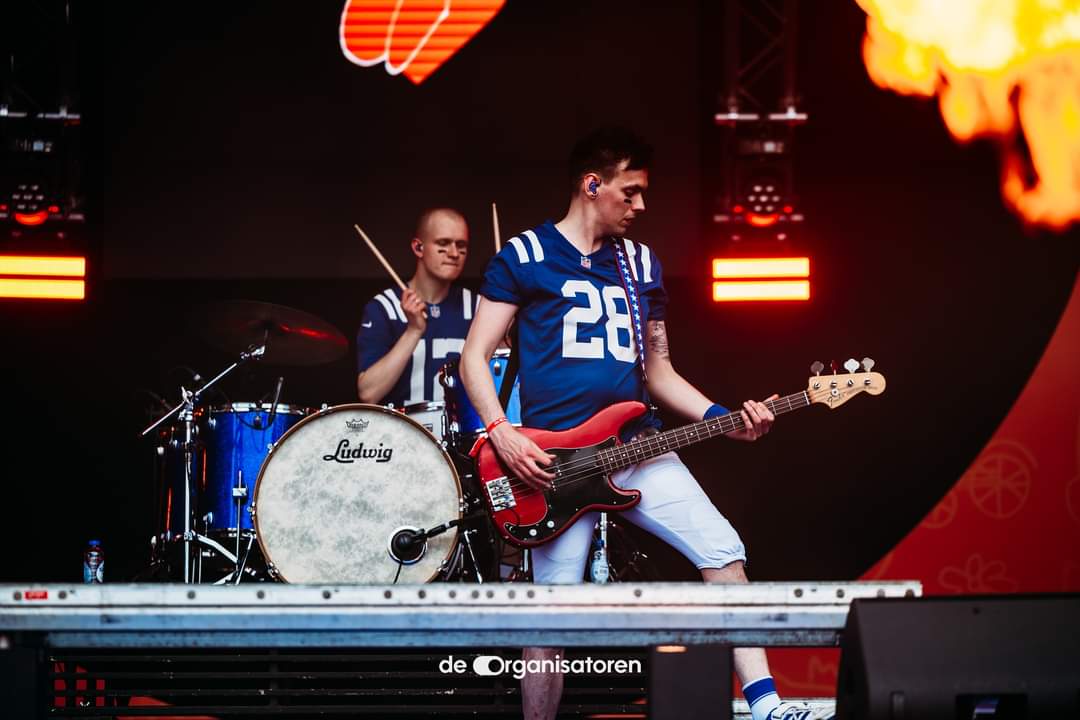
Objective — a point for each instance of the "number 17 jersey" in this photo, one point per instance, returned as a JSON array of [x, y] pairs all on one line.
[[575, 334]]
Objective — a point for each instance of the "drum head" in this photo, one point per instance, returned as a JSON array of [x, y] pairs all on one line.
[[339, 484]]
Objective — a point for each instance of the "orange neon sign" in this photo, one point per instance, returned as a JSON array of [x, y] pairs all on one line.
[[42, 265], [765, 290], [798, 267], [411, 37], [40, 277], [39, 289], [744, 279]]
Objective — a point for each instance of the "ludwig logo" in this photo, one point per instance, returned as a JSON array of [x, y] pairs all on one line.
[[411, 37], [346, 454]]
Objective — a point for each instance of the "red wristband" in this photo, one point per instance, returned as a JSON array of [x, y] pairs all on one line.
[[495, 423]]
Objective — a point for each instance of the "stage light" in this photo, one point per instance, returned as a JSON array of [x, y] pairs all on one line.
[[39, 277], [793, 267], [1002, 70], [724, 291], [31, 219], [40, 265], [742, 279], [43, 289]]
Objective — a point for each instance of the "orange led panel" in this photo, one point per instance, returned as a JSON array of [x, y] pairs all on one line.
[[793, 267], [761, 290], [42, 265], [42, 289]]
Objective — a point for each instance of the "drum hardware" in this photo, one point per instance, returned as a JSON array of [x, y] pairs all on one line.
[[466, 537], [239, 493], [185, 411]]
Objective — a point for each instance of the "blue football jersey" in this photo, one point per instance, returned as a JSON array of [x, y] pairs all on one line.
[[384, 322], [576, 341]]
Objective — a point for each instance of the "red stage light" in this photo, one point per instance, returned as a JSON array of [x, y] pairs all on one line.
[[761, 220], [31, 219], [737, 209]]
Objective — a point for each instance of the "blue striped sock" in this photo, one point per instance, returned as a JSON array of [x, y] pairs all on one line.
[[762, 697]]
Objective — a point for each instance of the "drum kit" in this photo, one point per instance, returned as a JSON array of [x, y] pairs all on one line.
[[352, 493]]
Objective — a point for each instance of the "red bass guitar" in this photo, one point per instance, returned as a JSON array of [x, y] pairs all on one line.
[[587, 455]]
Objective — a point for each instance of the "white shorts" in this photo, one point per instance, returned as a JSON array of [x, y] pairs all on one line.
[[673, 507]]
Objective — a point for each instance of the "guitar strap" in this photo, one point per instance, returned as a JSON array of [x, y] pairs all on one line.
[[632, 298], [512, 365]]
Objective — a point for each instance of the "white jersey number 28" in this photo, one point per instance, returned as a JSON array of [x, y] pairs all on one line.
[[600, 304]]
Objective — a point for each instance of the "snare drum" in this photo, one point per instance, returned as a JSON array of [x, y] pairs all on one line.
[[462, 419], [340, 484]]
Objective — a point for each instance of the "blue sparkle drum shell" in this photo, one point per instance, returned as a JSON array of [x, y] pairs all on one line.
[[462, 418], [235, 440]]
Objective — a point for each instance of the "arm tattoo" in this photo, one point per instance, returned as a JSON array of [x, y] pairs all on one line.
[[658, 342]]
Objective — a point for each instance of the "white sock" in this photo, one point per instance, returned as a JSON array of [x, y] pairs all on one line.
[[762, 697]]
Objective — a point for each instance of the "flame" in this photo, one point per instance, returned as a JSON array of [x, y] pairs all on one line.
[[1001, 69]]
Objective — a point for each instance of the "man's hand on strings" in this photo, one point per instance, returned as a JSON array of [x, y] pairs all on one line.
[[757, 420], [524, 458]]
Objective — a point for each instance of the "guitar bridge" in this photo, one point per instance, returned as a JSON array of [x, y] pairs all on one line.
[[500, 494]]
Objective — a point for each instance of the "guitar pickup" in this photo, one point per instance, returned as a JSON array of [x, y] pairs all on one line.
[[500, 494]]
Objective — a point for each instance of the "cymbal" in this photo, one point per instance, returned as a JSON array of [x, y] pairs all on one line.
[[293, 337]]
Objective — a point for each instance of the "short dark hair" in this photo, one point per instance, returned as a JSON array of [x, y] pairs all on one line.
[[430, 213], [603, 149]]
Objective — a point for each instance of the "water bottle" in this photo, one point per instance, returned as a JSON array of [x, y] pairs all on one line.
[[599, 572], [94, 563]]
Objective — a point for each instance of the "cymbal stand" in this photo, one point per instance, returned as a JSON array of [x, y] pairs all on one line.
[[186, 413]]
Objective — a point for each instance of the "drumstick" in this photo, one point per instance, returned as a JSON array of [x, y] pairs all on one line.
[[495, 225], [380, 257]]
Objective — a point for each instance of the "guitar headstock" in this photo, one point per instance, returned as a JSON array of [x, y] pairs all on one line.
[[836, 389]]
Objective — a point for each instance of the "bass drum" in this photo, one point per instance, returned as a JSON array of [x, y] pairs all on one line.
[[337, 487]]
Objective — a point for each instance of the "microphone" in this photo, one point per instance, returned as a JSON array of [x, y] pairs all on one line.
[[274, 404], [407, 545]]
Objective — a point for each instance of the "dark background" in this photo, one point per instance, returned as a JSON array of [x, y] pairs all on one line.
[[229, 149]]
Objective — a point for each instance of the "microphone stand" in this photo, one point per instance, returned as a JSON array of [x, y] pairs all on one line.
[[186, 412]]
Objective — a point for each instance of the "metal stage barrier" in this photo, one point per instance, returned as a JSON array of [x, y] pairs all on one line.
[[94, 634], [436, 615]]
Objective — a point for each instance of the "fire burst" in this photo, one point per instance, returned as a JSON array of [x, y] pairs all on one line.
[[1002, 69]]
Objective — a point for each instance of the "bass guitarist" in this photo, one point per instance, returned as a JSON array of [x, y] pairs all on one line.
[[586, 300]]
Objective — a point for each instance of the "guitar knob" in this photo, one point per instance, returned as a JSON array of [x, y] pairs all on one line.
[[867, 363], [832, 364], [817, 367], [851, 365]]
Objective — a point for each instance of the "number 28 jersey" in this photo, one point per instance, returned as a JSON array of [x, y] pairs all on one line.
[[575, 334]]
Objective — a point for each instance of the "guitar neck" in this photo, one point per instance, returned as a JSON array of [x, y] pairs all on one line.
[[651, 446]]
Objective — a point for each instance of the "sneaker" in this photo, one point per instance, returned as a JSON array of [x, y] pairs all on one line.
[[800, 711]]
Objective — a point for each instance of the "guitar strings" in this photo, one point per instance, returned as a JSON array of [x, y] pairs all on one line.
[[586, 469]]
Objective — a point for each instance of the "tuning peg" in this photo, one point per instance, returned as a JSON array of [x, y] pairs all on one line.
[[868, 364], [817, 367], [832, 364], [851, 365]]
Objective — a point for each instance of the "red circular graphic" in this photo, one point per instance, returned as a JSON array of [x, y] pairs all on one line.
[[944, 512], [1072, 498], [1000, 481]]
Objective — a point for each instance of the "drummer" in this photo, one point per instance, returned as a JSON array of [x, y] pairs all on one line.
[[406, 336]]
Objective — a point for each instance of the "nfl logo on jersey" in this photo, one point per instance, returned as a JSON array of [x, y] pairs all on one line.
[[586, 263], [433, 310]]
